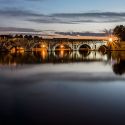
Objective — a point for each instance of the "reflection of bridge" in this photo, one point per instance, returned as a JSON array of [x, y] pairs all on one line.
[[52, 44], [52, 57]]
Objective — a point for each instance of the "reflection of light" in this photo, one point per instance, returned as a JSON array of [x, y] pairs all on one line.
[[13, 50], [14, 64], [61, 53], [21, 50], [17, 49], [43, 54]]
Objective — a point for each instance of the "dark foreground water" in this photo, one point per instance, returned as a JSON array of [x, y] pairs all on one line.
[[62, 88]]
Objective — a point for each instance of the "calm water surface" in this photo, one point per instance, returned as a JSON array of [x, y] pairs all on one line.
[[63, 88]]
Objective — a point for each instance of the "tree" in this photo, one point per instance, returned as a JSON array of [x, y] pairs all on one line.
[[28, 37], [119, 31], [113, 44], [108, 32], [36, 39], [20, 36]]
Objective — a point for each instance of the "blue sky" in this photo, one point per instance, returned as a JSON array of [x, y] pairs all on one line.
[[61, 15]]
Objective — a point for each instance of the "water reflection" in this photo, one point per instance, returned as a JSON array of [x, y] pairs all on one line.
[[116, 58], [118, 62], [43, 56], [85, 53], [79, 86]]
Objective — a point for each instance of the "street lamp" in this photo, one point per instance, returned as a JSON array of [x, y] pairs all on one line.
[[43, 46], [61, 46], [110, 39], [110, 42]]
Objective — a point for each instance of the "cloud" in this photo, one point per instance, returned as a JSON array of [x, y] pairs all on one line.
[[63, 18], [14, 12], [90, 14], [15, 29], [75, 18]]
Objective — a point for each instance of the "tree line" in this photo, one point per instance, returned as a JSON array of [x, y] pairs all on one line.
[[28, 37]]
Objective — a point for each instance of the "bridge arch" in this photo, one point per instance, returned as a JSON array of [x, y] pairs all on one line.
[[40, 46], [103, 48], [84, 47], [62, 46]]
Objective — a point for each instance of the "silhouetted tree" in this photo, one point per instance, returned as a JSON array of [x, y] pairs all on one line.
[[119, 31], [36, 39], [20, 36], [16, 36], [28, 37], [108, 32]]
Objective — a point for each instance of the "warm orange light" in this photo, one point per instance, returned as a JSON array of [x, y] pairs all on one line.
[[61, 46], [61, 53], [43, 46], [110, 39], [13, 50], [43, 54]]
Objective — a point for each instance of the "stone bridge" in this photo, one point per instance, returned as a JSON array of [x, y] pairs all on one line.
[[53, 44], [71, 44]]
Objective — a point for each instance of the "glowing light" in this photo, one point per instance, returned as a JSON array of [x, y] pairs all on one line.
[[61, 53], [43, 46], [61, 46], [13, 50], [43, 54], [110, 39]]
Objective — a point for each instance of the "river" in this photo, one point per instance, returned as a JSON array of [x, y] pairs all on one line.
[[63, 88]]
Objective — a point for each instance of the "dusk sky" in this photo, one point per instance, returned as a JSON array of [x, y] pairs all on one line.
[[61, 15]]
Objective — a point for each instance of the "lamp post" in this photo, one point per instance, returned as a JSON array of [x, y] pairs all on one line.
[[110, 42]]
